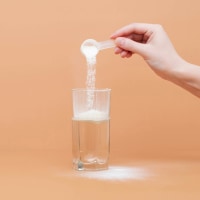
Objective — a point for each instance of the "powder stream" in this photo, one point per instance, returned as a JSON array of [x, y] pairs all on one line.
[[90, 53]]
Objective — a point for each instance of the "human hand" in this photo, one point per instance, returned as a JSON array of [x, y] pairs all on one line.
[[151, 42]]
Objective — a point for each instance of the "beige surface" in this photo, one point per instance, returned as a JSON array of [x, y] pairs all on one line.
[[154, 124], [48, 175]]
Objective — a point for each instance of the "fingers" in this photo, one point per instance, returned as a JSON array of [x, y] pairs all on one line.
[[123, 53], [130, 47], [127, 55], [136, 38], [137, 28]]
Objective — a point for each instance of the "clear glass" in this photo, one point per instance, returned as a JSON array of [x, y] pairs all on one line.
[[91, 129]]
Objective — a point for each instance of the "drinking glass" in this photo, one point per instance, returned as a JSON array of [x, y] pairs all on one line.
[[91, 128]]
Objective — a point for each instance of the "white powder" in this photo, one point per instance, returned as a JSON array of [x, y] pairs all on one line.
[[114, 173], [93, 115], [90, 52]]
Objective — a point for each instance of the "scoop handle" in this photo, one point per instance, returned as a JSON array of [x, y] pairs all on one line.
[[106, 44]]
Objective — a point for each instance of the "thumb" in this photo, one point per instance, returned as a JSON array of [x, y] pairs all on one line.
[[130, 45]]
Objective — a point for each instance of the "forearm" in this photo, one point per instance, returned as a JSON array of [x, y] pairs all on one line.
[[187, 76]]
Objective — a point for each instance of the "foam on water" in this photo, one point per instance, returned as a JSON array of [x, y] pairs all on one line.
[[93, 115]]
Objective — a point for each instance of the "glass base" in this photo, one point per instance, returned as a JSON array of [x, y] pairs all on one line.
[[94, 166]]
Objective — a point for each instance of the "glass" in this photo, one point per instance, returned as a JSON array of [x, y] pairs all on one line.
[[91, 129]]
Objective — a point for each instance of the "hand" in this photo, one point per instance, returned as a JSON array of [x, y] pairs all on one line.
[[151, 42]]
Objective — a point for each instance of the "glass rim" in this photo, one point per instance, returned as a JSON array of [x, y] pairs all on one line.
[[95, 89]]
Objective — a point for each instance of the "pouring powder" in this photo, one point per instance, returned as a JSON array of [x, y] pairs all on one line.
[[90, 53]]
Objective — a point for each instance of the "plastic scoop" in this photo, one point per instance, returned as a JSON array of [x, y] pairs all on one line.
[[97, 46]]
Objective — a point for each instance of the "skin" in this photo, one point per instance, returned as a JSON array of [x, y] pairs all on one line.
[[152, 43]]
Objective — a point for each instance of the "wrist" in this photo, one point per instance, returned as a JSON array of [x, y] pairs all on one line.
[[187, 76]]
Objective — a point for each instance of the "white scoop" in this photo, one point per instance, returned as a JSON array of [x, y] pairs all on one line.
[[97, 46]]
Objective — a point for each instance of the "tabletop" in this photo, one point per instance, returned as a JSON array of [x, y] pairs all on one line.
[[48, 174]]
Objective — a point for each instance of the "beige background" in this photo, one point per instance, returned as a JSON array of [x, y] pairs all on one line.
[[41, 62], [154, 124]]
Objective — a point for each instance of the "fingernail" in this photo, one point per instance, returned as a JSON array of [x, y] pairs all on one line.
[[120, 41], [112, 36]]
